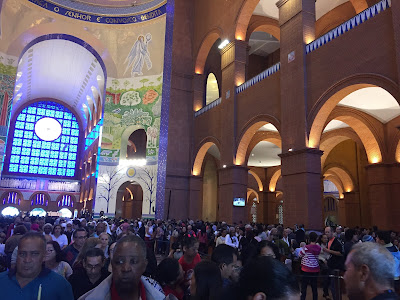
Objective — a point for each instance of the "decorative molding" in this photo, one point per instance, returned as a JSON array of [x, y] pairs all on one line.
[[348, 25], [208, 107], [301, 151], [268, 72]]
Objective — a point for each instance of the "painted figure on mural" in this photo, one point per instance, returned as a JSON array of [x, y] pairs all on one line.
[[138, 56]]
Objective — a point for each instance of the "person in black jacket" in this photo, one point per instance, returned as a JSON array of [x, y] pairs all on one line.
[[335, 262]]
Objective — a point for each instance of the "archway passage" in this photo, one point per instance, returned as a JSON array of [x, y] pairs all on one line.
[[136, 147], [129, 201], [210, 190]]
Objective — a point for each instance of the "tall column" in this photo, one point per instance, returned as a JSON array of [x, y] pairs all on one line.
[[198, 90], [301, 166], [383, 189], [232, 183], [268, 200], [195, 196], [351, 216]]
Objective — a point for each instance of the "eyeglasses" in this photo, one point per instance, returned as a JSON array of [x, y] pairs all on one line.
[[80, 237]]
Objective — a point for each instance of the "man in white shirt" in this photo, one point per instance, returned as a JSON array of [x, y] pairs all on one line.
[[285, 237], [231, 239]]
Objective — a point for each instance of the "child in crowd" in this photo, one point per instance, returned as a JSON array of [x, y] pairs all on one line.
[[190, 257]]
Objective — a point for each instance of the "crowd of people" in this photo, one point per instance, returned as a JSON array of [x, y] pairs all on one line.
[[57, 258]]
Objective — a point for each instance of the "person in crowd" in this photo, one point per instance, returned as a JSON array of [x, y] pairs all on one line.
[[190, 257], [126, 281], [338, 234], [222, 238], [266, 278], [100, 228], [206, 281], [261, 233], [231, 238], [90, 243], [170, 275], [369, 273], [203, 239], [30, 280], [226, 258], [300, 234], [59, 237], [104, 239], [285, 237], [351, 238], [335, 262], [53, 260], [12, 242], [149, 235], [190, 231], [71, 252], [159, 236], [68, 232], [91, 274], [310, 266], [2, 244], [267, 248], [48, 229], [383, 238], [10, 230], [323, 264], [297, 250]]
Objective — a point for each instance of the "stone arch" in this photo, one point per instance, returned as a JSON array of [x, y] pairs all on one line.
[[274, 180], [205, 48], [18, 44], [248, 133], [337, 182], [320, 112], [257, 178], [362, 124], [125, 137], [343, 174], [269, 136], [332, 138], [251, 192], [243, 18], [264, 24], [201, 153]]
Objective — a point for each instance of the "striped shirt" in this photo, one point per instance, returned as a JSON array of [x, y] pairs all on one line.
[[309, 258]]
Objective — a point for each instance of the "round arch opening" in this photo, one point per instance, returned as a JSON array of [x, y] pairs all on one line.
[[65, 213], [38, 212], [10, 211], [129, 203]]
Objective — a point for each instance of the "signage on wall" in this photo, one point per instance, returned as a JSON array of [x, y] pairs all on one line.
[[100, 19], [291, 56]]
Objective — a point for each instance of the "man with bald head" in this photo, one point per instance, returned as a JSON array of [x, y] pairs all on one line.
[[126, 281], [31, 280]]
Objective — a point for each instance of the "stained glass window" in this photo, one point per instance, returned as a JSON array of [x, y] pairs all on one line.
[[32, 155]]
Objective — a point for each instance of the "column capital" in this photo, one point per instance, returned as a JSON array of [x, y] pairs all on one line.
[[289, 153]]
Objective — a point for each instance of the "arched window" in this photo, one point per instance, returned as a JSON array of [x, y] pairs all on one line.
[[39, 199], [66, 201], [65, 213], [330, 204], [136, 147], [10, 211], [12, 198], [212, 89], [45, 141], [38, 212]]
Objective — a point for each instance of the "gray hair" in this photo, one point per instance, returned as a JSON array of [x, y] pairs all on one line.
[[378, 259]]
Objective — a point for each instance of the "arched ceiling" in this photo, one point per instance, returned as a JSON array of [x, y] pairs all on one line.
[[63, 70], [262, 43], [265, 154], [335, 124], [268, 127], [374, 101], [269, 9]]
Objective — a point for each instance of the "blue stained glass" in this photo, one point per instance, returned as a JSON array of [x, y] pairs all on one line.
[[16, 150], [27, 143], [17, 142], [33, 169], [13, 168], [23, 168], [21, 117], [35, 152], [28, 134], [75, 132], [30, 154]]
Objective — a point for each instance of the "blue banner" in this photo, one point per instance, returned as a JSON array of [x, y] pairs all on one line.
[[101, 19]]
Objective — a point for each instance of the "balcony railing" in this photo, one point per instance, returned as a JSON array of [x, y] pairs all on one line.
[[348, 25], [268, 72], [207, 107]]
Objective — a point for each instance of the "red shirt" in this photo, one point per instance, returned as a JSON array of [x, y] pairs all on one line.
[[188, 268], [115, 296], [168, 290]]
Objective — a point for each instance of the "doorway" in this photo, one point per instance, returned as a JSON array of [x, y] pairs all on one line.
[[129, 201]]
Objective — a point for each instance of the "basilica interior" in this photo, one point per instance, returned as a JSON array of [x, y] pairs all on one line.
[[222, 110]]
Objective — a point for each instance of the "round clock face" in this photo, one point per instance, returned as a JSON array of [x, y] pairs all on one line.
[[48, 129]]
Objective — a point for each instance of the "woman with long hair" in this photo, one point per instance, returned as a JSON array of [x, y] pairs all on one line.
[[170, 275], [54, 260], [104, 240], [91, 242], [206, 282], [59, 237]]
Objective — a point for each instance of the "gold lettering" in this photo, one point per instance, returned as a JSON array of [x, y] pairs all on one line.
[[56, 9]]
